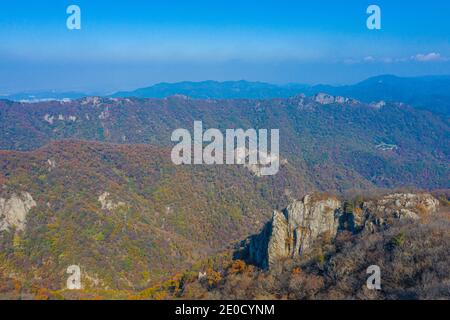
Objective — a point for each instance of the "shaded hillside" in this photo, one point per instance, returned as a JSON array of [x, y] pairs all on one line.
[[124, 213], [406, 235], [339, 145], [413, 257]]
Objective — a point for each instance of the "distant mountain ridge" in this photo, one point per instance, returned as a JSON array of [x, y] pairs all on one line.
[[430, 93], [216, 90]]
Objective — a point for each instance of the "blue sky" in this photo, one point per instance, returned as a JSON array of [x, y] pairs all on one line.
[[129, 44]]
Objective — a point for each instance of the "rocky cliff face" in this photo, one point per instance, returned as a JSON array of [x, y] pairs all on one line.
[[293, 232], [14, 210]]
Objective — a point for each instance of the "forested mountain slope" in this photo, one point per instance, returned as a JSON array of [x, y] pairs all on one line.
[[342, 142]]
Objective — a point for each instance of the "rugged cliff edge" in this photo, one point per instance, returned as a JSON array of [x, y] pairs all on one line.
[[14, 210], [292, 232]]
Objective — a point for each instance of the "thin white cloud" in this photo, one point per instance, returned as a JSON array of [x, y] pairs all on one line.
[[369, 59], [429, 57]]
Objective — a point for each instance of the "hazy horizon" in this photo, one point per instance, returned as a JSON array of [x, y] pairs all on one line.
[[123, 46], [109, 92]]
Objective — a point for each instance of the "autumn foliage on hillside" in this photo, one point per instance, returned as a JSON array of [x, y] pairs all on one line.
[[162, 218]]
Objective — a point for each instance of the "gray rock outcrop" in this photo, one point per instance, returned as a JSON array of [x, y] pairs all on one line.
[[324, 98], [380, 212], [292, 232], [13, 211]]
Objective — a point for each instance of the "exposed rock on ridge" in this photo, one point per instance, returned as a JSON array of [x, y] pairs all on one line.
[[13, 211], [292, 233], [377, 213], [107, 203]]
